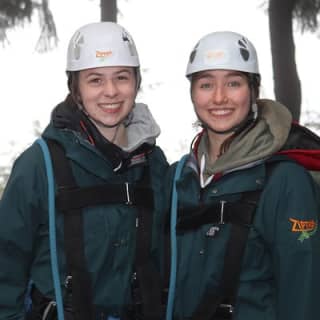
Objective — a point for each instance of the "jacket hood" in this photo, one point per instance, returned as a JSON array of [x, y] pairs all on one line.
[[255, 144], [141, 127], [141, 130]]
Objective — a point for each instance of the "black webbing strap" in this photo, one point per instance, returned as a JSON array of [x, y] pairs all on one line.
[[232, 262], [148, 276], [126, 193], [82, 299], [216, 213], [70, 199]]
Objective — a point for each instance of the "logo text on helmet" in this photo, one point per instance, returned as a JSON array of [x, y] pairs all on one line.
[[212, 57], [103, 54], [218, 54]]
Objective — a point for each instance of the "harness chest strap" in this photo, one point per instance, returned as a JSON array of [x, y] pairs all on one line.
[[71, 198]]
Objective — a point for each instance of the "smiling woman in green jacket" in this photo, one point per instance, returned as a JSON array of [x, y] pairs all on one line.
[[107, 170], [246, 243]]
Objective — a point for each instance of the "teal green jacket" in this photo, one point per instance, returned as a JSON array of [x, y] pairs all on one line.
[[280, 273], [280, 276], [109, 230]]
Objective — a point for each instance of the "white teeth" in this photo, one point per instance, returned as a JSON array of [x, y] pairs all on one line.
[[220, 112], [110, 105]]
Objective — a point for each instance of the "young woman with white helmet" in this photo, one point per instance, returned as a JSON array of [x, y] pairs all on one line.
[[244, 216], [98, 258]]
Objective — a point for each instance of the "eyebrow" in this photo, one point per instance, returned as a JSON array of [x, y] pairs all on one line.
[[96, 73], [208, 75], [124, 70]]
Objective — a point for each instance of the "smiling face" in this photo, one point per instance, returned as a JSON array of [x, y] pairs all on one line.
[[221, 99], [107, 95]]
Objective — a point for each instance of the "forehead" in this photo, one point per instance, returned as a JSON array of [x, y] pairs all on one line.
[[107, 71], [218, 74]]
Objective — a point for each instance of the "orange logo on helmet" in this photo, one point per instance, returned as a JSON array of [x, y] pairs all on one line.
[[103, 54], [217, 54], [302, 225]]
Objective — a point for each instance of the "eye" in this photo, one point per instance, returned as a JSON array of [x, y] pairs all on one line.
[[123, 77], [95, 80], [234, 83], [205, 85]]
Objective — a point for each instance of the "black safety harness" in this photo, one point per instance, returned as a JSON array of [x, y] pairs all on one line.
[[219, 305], [70, 200], [239, 215]]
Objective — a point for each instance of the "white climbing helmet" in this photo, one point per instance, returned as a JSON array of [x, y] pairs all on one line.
[[223, 50], [101, 44]]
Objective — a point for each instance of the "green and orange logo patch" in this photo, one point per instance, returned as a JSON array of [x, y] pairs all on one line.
[[307, 228]]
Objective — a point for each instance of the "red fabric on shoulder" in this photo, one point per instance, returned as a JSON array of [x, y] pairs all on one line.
[[310, 159]]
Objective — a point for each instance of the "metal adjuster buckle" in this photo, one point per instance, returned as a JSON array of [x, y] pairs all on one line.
[[68, 282], [229, 307], [222, 212], [49, 310], [128, 202], [215, 229]]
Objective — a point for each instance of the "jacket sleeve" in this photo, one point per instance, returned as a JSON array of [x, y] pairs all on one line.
[[20, 210], [292, 204]]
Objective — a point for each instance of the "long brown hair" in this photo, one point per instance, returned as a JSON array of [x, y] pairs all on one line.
[[73, 85], [254, 81]]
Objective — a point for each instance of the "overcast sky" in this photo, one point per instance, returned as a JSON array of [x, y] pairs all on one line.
[[165, 32]]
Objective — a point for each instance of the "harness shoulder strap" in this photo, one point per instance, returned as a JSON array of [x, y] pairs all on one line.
[[232, 264], [236, 244], [149, 284], [82, 299]]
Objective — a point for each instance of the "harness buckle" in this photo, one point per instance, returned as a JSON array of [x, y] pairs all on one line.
[[68, 282], [222, 202], [228, 307], [50, 311], [128, 202]]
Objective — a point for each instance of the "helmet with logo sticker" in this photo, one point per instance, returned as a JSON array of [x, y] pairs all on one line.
[[227, 50], [101, 44], [223, 50]]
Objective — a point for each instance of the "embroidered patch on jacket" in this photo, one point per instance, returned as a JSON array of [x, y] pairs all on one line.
[[307, 228]]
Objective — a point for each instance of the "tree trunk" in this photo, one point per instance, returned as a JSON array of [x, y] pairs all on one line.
[[109, 10], [287, 86]]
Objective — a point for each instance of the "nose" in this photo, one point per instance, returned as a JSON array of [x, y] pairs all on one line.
[[219, 95], [110, 88]]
